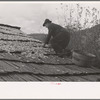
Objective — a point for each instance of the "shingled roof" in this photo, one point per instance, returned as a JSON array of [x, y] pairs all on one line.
[[22, 58], [9, 26]]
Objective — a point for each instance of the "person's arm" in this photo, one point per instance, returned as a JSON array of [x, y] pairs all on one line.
[[48, 38]]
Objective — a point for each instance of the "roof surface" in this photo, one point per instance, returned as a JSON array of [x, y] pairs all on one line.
[[23, 59]]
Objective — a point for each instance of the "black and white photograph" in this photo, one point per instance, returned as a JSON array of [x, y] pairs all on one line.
[[49, 42]]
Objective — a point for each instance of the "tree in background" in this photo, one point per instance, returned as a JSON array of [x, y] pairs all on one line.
[[76, 18]]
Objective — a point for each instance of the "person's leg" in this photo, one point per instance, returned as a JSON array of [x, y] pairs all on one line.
[[58, 49], [60, 42]]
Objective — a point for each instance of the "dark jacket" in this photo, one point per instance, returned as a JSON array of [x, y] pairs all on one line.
[[57, 31]]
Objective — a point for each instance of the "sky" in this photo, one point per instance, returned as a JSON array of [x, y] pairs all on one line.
[[31, 15]]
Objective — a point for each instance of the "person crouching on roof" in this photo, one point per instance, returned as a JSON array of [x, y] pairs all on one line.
[[60, 36]]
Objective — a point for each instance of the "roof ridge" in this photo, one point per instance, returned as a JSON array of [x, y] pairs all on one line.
[[16, 27]]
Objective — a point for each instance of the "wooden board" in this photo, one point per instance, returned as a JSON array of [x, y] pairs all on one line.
[[53, 70], [84, 69], [15, 77], [9, 56], [15, 68], [50, 78], [92, 77], [73, 78], [46, 69], [6, 67], [30, 77], [38, 78], [26, 77], [21, 77], [7, 78], [76, 68], [22, 67], [36, 69], [1, 79], [1, 57]]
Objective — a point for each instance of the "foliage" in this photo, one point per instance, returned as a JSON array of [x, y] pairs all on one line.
[[77, 17], [83, 22]]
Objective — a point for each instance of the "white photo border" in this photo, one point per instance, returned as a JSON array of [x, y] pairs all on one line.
[[49, 90]]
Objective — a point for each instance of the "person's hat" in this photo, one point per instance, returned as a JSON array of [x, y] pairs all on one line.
[[46, 21]]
